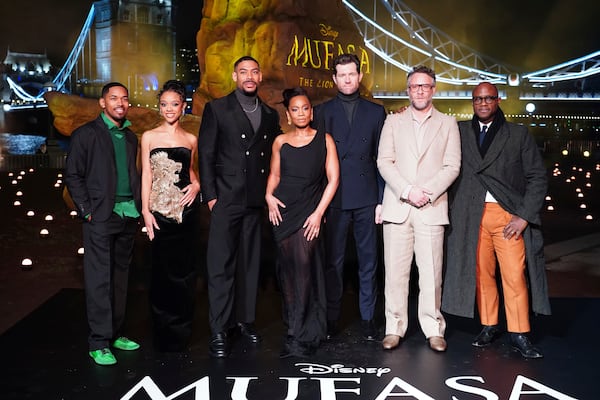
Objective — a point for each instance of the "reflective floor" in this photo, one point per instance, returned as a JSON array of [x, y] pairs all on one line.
[[47, 359]]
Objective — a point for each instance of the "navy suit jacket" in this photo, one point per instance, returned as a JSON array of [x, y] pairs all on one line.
[[91, 173], [233, 159], [357, 145]]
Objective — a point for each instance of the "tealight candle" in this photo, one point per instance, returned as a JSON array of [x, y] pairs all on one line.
[[26, 264]]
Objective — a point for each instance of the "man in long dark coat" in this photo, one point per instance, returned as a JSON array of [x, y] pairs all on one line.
[[495, 216]]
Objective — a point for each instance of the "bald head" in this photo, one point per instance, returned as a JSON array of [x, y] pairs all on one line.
[[488, 86], [485, 102]]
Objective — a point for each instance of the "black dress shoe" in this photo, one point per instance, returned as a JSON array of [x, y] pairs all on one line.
[[520, 342], [249, 332], [488, 334], [369, 331], [332, 329], [219, 345]]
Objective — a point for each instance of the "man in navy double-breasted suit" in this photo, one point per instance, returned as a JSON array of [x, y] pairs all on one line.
[[355, 124]]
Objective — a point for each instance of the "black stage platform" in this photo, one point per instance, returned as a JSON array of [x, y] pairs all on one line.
[[44, 356]]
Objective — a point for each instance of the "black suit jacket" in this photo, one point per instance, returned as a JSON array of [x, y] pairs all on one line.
[[91, 173], [233, 159], [357, 145]]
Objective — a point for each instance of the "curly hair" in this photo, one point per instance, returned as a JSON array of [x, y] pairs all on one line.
[[173, 86]]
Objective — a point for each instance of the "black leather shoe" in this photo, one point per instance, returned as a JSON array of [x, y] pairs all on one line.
[[332, 329], [219, 345], [488, 334], [368, 329], [248, 331], [521, 343]]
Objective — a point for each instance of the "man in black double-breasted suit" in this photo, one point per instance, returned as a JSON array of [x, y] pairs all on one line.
[[234, 148], [355, 124], [104, 183]]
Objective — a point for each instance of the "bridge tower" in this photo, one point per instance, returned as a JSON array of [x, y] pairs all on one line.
[[135, 45]]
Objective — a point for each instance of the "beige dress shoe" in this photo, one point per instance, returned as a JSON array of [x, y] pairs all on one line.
[[391, 341], [437, 343]]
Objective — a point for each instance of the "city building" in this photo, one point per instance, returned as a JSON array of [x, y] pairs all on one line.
[[134, 44]]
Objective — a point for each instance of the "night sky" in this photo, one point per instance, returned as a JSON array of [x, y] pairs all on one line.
[[528, 34]]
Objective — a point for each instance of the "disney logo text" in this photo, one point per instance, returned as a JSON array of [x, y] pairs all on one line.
[[326, 30], [318, 369]]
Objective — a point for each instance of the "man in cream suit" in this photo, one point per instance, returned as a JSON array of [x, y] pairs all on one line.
[[419, 158]]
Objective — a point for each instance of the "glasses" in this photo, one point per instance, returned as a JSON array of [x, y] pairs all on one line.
[[486, 99], [426, 87]]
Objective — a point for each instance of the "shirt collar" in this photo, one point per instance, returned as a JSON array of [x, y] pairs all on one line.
[[111, 125], [427, 115]]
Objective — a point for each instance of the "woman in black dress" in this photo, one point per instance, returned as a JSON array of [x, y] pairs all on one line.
[[169, 202], [303, 179]]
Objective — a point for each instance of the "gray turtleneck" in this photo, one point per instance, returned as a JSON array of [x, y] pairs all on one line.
[[251, 106]]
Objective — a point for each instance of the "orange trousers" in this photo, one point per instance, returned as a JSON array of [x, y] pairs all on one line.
[[510, 255]]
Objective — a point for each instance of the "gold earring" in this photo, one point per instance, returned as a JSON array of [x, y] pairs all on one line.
[[289, 121]]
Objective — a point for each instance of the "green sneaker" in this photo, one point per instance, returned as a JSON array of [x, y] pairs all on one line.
[[103, 357], [123, 343]]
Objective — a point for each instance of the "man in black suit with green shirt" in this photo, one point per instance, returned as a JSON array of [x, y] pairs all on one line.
[[103, 180]]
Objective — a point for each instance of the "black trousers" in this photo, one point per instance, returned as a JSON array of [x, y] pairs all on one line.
[[108, 252], [365, 237], [233, 265]]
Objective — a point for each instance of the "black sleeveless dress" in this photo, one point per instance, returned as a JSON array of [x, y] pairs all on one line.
[[172, 288], [300, 263]]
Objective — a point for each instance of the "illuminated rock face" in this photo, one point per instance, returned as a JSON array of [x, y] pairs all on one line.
[[294, 41]]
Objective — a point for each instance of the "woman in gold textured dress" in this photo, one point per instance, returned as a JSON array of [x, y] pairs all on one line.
[[170, 190]]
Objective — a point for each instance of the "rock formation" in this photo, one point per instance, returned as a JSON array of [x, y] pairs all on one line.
[[294, 41]]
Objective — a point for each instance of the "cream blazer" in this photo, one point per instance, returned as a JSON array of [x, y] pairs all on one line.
[[433, 167]]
